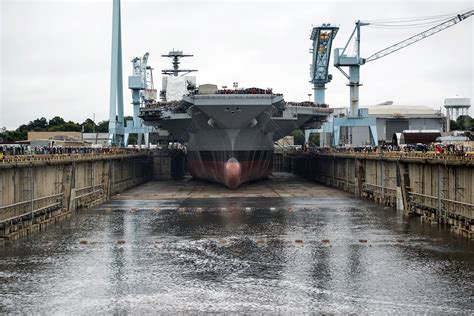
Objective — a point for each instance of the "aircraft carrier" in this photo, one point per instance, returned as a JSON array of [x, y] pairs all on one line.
[[229, 133]]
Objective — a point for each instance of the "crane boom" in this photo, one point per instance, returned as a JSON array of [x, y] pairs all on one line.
[[420, 36]]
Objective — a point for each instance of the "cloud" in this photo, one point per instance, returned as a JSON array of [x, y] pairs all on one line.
[[55, 55]]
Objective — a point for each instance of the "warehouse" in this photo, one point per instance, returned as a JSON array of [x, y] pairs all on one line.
[[390, 119]]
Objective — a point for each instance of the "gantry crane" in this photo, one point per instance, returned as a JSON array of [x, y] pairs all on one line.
[[322, 37], [143, 91], [342, 58]]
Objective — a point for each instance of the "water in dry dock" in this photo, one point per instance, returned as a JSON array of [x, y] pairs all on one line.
[[292, 247]]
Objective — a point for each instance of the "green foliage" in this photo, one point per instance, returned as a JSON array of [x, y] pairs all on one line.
[[463, 123], [313, 140], [88, 126], [66, 127], [133, 139], [56, 121], [54, 125], [37, 125], [40, 124], [102, 127], [298, 136], [12, 136], [454, 125]]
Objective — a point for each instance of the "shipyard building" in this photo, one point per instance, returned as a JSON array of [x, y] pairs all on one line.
[[391, 119]]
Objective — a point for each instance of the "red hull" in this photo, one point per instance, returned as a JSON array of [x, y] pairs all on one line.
[[230, 172]]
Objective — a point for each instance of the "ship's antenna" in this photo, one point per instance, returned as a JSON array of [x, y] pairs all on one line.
[[176, 55]]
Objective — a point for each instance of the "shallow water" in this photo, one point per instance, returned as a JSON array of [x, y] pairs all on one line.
[[288, 255]]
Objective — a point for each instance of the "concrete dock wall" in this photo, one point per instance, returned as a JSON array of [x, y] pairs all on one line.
[[440, 189], [281, 162], [38, 191], [169, 164]]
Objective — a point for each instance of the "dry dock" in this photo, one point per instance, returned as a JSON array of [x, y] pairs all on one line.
[[285, 245], [39, 190], [148, 252]]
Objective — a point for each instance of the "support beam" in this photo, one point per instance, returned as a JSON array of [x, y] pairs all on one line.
[[354, 84], [319, 94], [369, 122]]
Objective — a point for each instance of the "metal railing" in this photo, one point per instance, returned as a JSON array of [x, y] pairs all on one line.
[[448, 206], [404, 155], [11, 159], [379, 190], [88, 194], [30, 207], [344, 184]]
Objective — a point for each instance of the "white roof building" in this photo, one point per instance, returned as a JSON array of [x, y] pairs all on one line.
[[390, 119]]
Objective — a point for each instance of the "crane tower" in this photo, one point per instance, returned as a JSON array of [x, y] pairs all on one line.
[[353, 60], [322, 37]]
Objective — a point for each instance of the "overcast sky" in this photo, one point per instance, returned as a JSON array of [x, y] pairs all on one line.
[[55, 55]]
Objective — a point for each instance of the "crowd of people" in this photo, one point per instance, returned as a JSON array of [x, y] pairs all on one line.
[[24, 150], [436, 148]]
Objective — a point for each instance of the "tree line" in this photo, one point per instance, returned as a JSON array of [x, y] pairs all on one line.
[[55, 124]]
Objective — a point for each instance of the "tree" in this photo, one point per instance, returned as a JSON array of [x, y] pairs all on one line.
[[462, 123], [40, 124], [12, 136], [298, 137], [37, 125], [454, 126], [103, 127], [88, 126], [56, 121], [314, 140], [133, 139], [465, 122], [66, 127], [22, 128]]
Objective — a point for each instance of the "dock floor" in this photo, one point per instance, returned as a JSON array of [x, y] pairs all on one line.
[[278, 185]]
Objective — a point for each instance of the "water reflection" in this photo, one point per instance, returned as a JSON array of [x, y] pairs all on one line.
[[236, 255]]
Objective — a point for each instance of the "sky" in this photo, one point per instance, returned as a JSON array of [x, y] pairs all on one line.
[[56, 55]]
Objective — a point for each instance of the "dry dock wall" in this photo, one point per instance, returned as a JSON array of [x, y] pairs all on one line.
[[36, 192], [169, 164], [440, 189]]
